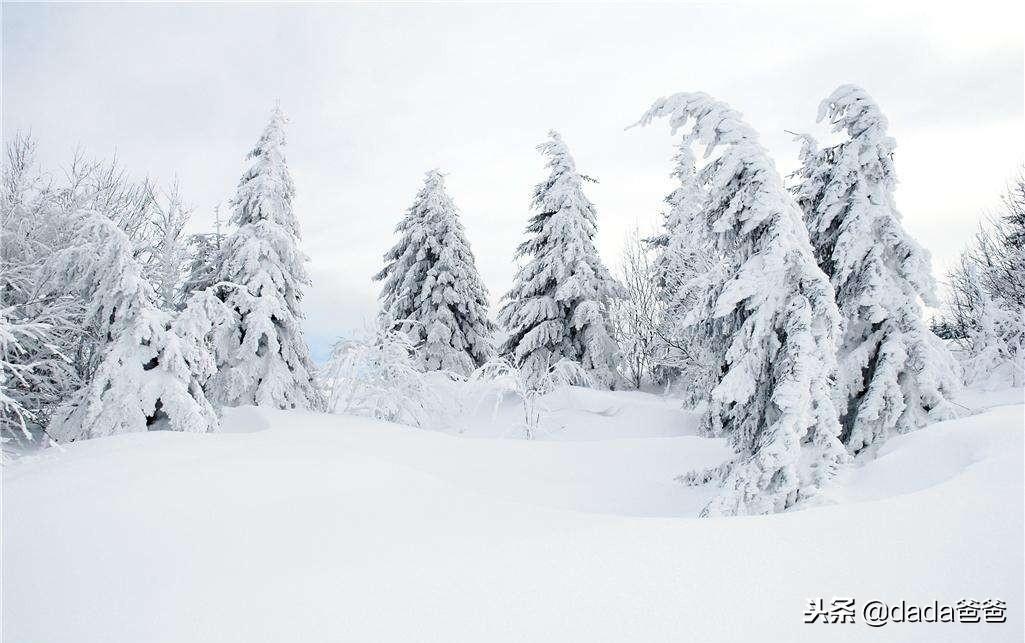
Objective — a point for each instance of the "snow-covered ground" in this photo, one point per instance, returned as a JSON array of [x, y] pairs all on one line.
[[305, 527]]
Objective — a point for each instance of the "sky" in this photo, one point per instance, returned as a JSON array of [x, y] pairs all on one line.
[[377, 94]]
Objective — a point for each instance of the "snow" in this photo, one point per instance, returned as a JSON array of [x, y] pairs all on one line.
[[299, 526], [558, 306], [263, 357], [893, 373], [916, 461], [769, 309], [432, 289]]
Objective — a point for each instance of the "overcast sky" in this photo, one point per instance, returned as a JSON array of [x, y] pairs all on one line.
[[377, 95]]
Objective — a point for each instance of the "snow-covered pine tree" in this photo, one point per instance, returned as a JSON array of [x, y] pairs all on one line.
[[265, 360], [201, 270], [895, 375], [773, 309], [677, 240], [689, 267], [147, 377], [432, 290], [76, 255], [558, 306], [204, 262]]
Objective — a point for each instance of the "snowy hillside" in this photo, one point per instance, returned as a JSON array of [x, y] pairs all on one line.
[[310, 527], [694, 378]]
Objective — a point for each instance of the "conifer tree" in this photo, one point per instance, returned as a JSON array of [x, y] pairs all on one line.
[[264, 360], [147, 377], [204, 262], [558, 306], [687, 266], [895, 375], [432, 290], [681, 236], [773, 309]]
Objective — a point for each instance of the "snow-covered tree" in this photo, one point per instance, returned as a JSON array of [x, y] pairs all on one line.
[[689, 267], [530, 387], [895, 375], [986, 297], [204, 259], [265, 360], [17, 373], [202, 269], [995, 338], [1000, 247], [773, 309], [87, 349], [168, 253], [431, 286], [147, 377], [382, 376], [48, 222], [682, 232], [637, 315], [559, 304], [39, 333], [105, 187]]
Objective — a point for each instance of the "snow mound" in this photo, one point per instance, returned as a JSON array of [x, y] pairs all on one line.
[[916, 461], [245, 419], [333, 528]]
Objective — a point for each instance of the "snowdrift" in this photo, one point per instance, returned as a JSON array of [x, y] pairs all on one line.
[[307, 527]]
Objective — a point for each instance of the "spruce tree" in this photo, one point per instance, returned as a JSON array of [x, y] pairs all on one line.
[[204, 263], [688, 267], [264, 360], [432, 290], [558, 306], [894, 374], [773, 309], [149, 374], [679, 237]]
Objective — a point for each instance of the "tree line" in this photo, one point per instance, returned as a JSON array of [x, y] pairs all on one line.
[[790, 310]]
